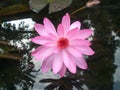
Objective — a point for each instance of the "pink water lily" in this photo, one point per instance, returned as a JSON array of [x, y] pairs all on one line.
[[63, 48]]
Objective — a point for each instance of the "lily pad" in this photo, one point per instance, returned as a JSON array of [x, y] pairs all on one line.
[[13, 9], [54, 5], [37, 5], [9, 7], [57, 5]]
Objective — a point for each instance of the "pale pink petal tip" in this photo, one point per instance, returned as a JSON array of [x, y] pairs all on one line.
[[85, 33], [62, 71], [60, 30], [66, 22], [37, 27], [75, 24], [57, 64], [81, 63], [40, 29], [49, 26]]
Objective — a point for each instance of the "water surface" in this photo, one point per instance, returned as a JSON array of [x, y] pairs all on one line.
[[104, 67]]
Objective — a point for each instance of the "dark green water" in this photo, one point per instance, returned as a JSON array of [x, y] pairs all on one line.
[[104, 67]]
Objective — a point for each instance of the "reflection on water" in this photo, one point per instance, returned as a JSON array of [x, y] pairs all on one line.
[[25, 74], [117, 73], [22, 24]]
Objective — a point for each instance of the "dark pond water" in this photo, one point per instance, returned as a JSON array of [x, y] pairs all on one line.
[[19, 71]]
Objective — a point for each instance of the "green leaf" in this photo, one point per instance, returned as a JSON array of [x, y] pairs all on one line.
[[8, 7], [13, 9], [54, 5], [57, 5], [37, 5]]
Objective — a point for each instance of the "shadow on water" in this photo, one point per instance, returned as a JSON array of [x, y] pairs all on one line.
[[19, 71]]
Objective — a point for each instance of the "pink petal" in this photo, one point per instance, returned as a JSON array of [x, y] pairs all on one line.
[[81, 63], [72, 66], [85, 50], [40, 29], [73, 51], [49, 26], [66, 58], [60, 30], [41, 40], [66, 22], [47, 63], [36, 51], [75, 24], [57, 63], [69, 61], [50, 44], [85, 33], [63, 70], [72, 33], [79, 42], [42, 52]]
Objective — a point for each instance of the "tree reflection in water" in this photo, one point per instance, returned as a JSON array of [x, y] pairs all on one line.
[[65, 83]]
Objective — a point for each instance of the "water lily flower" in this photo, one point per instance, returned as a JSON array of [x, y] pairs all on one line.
[[62, 49]]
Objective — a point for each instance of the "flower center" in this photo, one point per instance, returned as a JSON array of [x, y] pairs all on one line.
[[63, 43]]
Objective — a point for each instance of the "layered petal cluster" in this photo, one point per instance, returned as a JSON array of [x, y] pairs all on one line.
[[63, 48]]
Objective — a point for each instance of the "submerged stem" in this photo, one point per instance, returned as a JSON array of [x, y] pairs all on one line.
[[79, 9], [4, 43], [89, 4], [10, 57]]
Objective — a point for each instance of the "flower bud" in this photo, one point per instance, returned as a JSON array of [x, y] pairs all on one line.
[[92, 3]]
